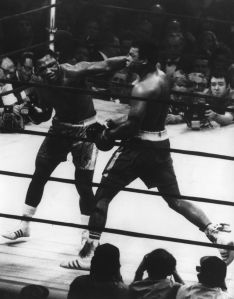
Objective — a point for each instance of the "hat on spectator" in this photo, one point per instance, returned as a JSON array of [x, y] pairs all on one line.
[[214, 270]]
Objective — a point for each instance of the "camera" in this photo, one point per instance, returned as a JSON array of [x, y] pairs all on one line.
[[195, 115]]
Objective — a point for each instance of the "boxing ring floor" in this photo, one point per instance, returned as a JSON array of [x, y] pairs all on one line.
[[37, 259]]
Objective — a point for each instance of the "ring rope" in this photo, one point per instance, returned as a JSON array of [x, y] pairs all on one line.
[[18, 89], [6, 18], [174, 150], [25, 50], [118, 231], [102, 94], [127, 189], [183, 16]]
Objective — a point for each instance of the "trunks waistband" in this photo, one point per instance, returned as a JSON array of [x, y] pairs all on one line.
[[152, 136], [84, 123]]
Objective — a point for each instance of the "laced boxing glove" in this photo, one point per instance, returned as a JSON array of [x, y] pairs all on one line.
[[98, 134]]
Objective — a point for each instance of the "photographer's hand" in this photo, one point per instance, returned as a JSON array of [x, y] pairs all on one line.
[[16, 109], [210, 114]]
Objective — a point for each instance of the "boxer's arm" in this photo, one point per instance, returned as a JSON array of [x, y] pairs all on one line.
[[84, 67], [136, 114]]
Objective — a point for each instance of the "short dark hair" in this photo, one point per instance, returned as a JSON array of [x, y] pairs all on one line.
[[34, 292], [147, 50], [160, 263], [105, 264], [212, 271], [48, 52], [216, 73]]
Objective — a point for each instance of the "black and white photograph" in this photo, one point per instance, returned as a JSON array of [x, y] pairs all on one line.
[[116, 149]]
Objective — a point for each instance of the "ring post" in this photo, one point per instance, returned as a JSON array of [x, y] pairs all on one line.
[[52, 28]]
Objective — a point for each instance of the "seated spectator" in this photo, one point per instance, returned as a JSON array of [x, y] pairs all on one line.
[[25, 66], [207, 42], [8, 67], [219, 88], [27, 96], [33, 291], [121, 85], [8, 99], [201, 64], [211, 276], [104, 280], [194, 114], [9, 117], [180, 83], [159, 264]]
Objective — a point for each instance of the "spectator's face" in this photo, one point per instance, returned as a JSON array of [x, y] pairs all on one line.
[[118, 79], [92, 30], [218, 86], [133, 60], [26, 70], [48, 68], [8, 68], [201, 66], [174, 46], [180, 81], [198, 82]]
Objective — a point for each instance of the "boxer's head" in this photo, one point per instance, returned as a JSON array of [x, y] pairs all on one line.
[[142, 55], [47, 67]]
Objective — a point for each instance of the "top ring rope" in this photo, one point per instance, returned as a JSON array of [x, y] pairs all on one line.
[[182, 16], [18, 15], [119, 232], [101, 94], [26, 49]]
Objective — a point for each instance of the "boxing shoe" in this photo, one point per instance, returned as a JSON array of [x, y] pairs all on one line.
[[22, 232], [220, 234], [83, 261]]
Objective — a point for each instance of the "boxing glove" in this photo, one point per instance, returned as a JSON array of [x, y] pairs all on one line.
[[98, 134]]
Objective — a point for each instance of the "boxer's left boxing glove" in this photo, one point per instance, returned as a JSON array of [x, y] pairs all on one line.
[[98, 134], [104, 141]]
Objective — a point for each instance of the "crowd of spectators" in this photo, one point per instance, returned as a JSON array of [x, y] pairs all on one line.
[[190, 55], [155, 277]]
